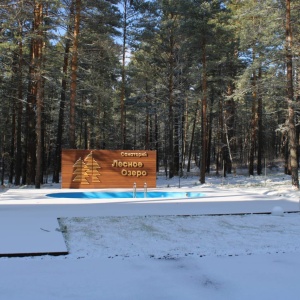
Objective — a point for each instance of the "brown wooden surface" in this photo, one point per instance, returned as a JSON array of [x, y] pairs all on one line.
[[109, 176]]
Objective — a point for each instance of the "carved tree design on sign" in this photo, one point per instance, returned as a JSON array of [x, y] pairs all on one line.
[[93, 167], [81, 172]]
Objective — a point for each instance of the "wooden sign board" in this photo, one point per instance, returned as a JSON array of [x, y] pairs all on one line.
[[108, 168]]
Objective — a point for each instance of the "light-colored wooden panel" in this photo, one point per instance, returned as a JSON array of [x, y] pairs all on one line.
[[108, 168]]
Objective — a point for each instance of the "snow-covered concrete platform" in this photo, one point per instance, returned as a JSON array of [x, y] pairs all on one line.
[[26, 236], [29, 218]]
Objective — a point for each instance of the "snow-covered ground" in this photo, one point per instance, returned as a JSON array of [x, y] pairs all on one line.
[[163, 249]]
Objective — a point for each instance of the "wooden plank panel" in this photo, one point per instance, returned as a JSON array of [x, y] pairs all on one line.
[[108, 168]]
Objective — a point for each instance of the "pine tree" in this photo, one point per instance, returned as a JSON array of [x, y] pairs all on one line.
[[74, 68], [290, 98], [93, 167], [81, 172]]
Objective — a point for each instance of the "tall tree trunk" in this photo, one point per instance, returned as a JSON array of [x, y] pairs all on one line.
[[290, 96], [171, 107], [220, 134], [188, 168], [204, 116], [259, 124], [147, 121], [209, 134], [229, 131], [12, 143], [156, 134], [229, 116], [13, 113], [185, 127], [176, 143], [18, 164], [38, 17], [123, 76], [30, 116], [253, 125], [74, 66], [62, 104]]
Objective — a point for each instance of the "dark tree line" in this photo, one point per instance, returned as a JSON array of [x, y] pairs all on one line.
[[210, 85]]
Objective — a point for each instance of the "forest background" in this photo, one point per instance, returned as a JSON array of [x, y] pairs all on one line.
[[207, 84]]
